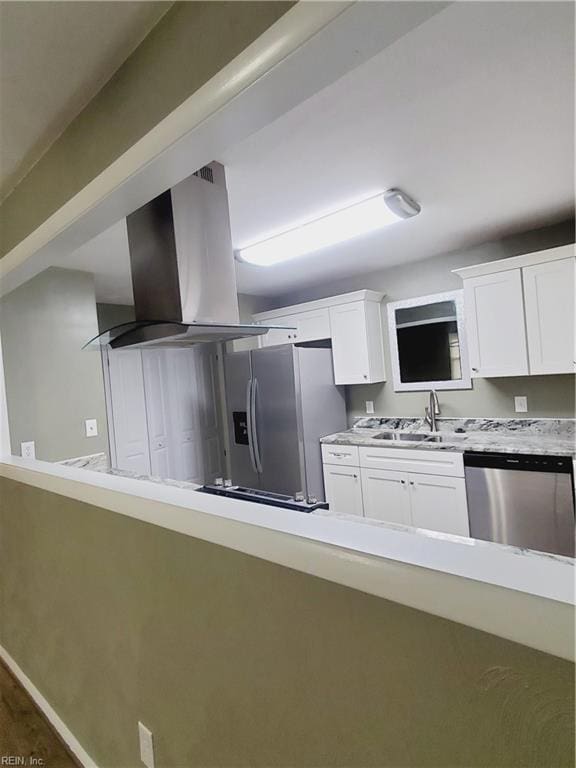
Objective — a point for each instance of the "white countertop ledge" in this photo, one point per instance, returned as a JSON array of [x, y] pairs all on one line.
[[517, 594]]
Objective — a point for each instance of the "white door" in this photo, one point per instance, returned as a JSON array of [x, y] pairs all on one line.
[[343, 489], [439, 503], [207, 404], [129, 410], [385, 495], [495, 324], [350, 343], [549, 297], [158, 410], [187, 442]]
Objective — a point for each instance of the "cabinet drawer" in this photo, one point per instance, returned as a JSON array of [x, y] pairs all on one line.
[[341, 454], [449, 464]]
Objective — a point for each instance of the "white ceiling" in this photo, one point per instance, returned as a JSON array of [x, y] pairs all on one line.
[[54, 57], [472, 113]]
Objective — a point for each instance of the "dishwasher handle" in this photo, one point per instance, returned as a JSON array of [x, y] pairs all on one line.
[[521, 462]]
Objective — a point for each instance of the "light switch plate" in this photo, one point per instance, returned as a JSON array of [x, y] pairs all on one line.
[[146, 745], [369, 406], [521, 404], [91, 427], [28, 450]]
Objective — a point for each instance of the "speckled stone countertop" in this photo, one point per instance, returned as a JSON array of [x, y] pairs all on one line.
[[98, 462], [551, 437]]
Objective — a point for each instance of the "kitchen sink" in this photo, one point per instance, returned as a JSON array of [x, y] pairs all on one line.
[[420, 437], [401, 437]]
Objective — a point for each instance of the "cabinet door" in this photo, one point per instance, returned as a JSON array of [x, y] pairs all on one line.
[[495, 324], [549, 297], [281, 336], [385, 495], [158, 412], [349, 344], [343, 490], [312, 325], [439, 503]]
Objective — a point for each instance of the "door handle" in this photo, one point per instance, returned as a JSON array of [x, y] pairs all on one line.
[[257, 458], [249, 424]]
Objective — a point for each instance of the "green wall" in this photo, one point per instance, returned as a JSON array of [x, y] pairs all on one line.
[[234, 661], [548, 396], [190, 44], [52, 384]]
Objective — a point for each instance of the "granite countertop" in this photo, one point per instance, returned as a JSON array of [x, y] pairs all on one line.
[[552, 437], [98, 462]]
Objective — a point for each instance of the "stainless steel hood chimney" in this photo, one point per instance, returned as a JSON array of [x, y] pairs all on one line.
[[182, 265]]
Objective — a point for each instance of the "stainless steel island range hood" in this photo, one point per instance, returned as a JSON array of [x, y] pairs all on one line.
[[182, 265]]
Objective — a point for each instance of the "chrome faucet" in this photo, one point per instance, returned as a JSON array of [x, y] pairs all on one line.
[[432, 410]]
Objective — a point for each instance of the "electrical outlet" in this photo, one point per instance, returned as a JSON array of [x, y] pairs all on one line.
[[28, 450], [146, 745], [91, 427], [369, 406], [521, 404]]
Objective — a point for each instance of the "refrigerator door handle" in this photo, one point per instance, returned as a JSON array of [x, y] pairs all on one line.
[[249, 388], [254, 421]]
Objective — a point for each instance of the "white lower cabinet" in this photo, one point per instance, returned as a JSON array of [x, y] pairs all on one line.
[[343, 490], [383, 487], [439, 503], [386, 496]]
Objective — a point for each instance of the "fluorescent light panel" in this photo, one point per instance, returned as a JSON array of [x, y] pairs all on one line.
[[357, 219]]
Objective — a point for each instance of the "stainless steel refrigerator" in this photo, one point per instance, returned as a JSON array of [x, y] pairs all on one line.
[[280, 401]]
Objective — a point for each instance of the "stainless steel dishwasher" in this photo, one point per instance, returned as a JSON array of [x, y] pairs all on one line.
[[521, 500]]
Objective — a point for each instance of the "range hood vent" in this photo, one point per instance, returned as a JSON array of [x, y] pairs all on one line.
[[183, 273]]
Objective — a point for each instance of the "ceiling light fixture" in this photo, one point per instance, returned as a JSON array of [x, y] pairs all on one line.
[[357, 219]]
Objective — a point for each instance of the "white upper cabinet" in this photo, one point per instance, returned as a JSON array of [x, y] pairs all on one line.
[[357, 349], [495, 322], [520, 314], [549, 298], [349, 344], [278, 335], [353, 324], [312, 325]]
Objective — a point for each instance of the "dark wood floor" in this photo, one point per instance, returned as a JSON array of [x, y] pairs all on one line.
[[24, 733]]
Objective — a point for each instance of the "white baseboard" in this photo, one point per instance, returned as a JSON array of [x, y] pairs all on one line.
[[49, 713]]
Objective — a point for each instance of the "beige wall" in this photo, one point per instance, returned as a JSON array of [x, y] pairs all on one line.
[[192, 42], [548, 396], [234, 661], [52, 384]]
